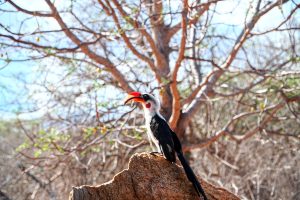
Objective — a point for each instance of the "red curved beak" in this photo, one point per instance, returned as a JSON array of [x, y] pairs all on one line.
[[134, 96]]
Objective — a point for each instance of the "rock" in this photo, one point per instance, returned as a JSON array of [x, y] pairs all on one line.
[[149, 177]]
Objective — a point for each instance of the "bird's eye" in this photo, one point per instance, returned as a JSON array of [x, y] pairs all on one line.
[[146, 97]]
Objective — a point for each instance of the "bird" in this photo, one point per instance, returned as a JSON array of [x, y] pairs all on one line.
[[164, 138]]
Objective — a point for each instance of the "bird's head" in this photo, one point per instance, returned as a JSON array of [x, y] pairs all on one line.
[[150, 104]]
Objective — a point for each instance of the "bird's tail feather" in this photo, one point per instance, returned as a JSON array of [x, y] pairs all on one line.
[[191, 176]]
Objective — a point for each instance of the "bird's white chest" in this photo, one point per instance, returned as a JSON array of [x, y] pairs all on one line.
[[149, 113], [150, 135]]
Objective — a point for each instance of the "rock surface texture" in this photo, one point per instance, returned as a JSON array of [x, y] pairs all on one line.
[[149, 177]]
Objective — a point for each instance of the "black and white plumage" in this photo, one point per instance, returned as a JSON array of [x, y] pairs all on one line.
[[163, 134], [163, 137]]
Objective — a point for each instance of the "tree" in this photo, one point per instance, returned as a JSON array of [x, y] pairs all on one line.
[[184, 51]]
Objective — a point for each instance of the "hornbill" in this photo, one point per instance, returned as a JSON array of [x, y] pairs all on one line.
[[162, 135]]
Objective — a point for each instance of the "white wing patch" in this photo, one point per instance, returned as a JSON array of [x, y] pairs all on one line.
[[169, 148]]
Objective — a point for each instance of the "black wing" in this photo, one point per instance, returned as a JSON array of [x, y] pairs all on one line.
[[177, 144], [163, 134], [188, 170]]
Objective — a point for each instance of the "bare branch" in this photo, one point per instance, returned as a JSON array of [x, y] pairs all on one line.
[[226, 129], [137, 25], [35, 13], [202, 8], [97, 58], [207, 90], [176, 108], [36, 45], [131, 46]]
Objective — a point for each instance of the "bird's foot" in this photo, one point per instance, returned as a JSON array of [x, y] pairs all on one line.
[[155, 153]]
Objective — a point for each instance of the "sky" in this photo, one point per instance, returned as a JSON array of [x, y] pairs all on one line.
[[12, 76]]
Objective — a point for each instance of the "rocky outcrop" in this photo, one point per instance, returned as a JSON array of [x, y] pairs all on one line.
[[149, 177]]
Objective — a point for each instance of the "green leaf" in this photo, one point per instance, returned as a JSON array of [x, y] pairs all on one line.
[[23, 146], [37, 153]]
